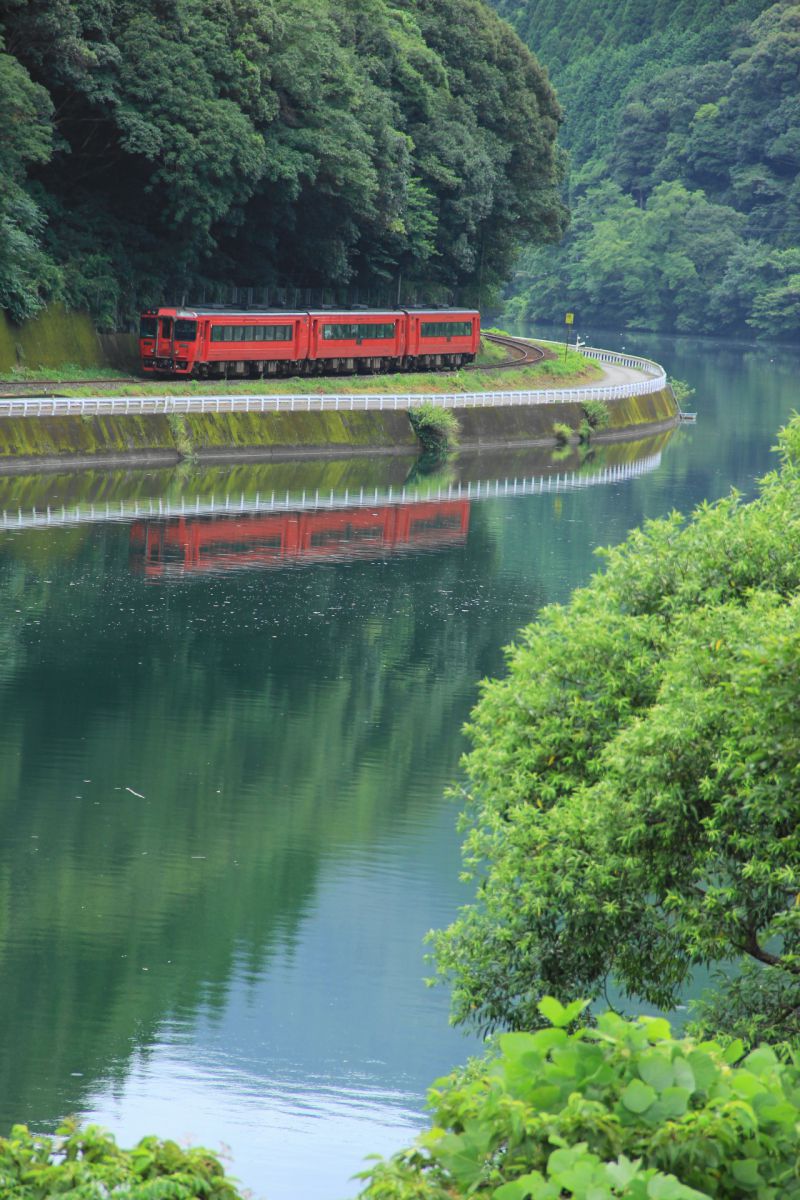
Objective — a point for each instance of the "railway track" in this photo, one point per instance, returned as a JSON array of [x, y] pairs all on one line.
[[520, 354]]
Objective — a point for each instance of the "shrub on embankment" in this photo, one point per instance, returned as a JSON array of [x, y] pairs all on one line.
[[437, 428]]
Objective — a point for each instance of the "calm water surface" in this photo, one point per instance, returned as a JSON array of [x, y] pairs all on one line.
[[225, 740]]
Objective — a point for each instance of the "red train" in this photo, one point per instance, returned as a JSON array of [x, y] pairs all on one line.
[[223, 344]]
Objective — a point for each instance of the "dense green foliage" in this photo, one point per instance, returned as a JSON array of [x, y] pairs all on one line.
[[437, 428], [153, 147], [620, 1110], [88, 1164], [632, 789], [683, 126]]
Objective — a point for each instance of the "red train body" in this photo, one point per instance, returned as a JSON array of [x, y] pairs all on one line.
[[224, 344]]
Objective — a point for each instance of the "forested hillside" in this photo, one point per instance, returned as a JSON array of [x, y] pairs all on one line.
[[149, 147], [682, 121]]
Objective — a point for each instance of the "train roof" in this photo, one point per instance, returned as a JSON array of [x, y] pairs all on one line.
[[189, 311]]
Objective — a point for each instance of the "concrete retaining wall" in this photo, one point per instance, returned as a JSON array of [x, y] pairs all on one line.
[[94, 440]]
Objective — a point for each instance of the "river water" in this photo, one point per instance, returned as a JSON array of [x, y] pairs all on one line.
[[231, 704]]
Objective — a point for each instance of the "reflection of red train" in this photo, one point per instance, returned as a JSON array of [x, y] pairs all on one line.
[[228, 542], [216, 343]]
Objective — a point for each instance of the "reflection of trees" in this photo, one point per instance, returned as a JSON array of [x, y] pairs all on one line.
[[270, 720], [262, 738]]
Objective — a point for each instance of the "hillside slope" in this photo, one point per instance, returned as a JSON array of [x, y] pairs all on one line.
[[683, 128]]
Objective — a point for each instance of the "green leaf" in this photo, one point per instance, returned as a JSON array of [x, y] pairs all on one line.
[[658, 1030], [553, 1011], [623, 1171], [734, 1051], [518, 1189], [673, 1103], [705, 1069], [656, 1069], [745, 1172], [637, 1096], [684, 1075]]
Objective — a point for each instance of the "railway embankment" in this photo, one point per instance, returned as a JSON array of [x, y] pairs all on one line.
[[53, 441], [108, 429]]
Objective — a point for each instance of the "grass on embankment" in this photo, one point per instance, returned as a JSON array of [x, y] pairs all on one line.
[[69, 371], [558, 372]]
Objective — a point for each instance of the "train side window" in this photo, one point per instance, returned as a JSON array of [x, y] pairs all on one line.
[[185, 331], [249, 330]]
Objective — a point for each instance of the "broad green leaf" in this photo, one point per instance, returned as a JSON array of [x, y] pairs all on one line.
[[553, 1011], [656, 1069], [705, 1070], [745, 1172], [637, 1096], [516, 1045], [672, 1103], [518, 1189], [734, 1051], [658, 1030], [684, 1075], [623, 1171]]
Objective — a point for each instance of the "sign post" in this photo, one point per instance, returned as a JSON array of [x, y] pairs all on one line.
[[569, 321]]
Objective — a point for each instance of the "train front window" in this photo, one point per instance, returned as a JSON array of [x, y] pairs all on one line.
[[148, 327], [166, 327], [185, 331]]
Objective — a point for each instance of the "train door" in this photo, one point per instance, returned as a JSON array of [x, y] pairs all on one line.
[[164, 349]]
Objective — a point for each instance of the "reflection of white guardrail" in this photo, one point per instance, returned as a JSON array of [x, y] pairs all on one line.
[[654, 379], [133, 510]]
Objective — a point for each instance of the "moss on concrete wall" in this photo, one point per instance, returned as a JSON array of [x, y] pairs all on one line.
[[643, 410], [120, 350], [100, 437], [8, 350], [485, 426], [54, 338], [217, 433]]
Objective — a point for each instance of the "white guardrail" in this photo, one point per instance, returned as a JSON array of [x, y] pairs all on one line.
[[199, 506], [654, 379]]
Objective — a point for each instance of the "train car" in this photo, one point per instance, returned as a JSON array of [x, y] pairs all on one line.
[[442, 337], [367, 340], [211, 343]]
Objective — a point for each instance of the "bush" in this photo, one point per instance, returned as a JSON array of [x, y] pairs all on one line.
[[596, 413], [437, 428], [561, 432], [681, 390], [619, 1110], [88, 1164]]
